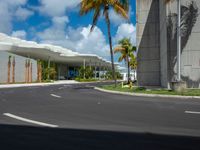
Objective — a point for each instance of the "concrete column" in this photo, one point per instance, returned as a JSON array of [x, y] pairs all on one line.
[[9, 67], [95, 67], [31, 73], [49, 63], [13, 70], [84, 68], [26, 71], [99, 70]]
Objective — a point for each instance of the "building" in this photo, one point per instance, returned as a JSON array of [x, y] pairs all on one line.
[[124, 73], [157, 42], [20, 60]]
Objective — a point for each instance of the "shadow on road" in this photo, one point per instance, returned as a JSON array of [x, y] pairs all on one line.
[[35, 138]]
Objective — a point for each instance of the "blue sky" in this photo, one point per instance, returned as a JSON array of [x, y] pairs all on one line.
[[58, 22]]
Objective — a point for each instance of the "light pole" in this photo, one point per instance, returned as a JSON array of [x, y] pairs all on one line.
[[179, 41]]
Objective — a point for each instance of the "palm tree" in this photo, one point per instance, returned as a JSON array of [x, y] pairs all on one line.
[[133, 64], [121, 7], [126, 49]]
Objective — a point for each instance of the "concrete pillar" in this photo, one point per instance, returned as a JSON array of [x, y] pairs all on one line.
[[26, 71], [13, 70], [95, 68], [9, 67], [49, 64], [99, 71], [84, 68], [31, 73]]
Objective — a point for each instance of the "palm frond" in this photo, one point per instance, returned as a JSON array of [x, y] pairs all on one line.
[[86, 6], [118, 49], [121, 58], [121, 11], [95, 18]]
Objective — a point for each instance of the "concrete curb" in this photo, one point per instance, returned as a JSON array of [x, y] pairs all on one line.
[[5, 86], [146, 95]]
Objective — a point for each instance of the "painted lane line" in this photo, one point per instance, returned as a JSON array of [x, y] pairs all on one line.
[[57, 96], [192, 112], [29, 121]]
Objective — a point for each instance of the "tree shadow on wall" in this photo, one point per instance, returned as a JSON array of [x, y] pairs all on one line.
[[189, 15]]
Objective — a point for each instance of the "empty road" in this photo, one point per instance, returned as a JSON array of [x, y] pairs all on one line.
[[77, 117]]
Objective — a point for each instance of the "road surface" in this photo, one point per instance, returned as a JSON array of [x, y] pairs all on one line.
[[77, 117]]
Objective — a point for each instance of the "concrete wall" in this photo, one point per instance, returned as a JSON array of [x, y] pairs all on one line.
[[148, 42], [190, 54], [157, 38], [19, 68]]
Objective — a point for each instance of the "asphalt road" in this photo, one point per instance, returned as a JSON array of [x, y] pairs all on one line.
[[83, 118]]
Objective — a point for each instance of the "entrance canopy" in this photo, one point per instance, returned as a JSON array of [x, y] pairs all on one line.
[[56, 54]]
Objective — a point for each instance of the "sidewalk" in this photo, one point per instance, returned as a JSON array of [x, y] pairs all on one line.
[[38, 84]]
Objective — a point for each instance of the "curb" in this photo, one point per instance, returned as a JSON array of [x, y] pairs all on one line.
[[146, 95], [6, 86]]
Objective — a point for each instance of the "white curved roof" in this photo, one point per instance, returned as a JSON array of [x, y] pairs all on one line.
[[45, 51]]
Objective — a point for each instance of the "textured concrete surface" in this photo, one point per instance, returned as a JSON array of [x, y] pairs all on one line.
[[148, 42], [156, 42], [19, 67]]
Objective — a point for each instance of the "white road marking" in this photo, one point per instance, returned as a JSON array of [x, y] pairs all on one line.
[[57, 96], [30, 121], [192, 112]]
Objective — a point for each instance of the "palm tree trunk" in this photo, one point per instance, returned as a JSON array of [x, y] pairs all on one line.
[[9, 66], [111, 49], [40, 72], [28, 70], [26, 64], [31, 73], [128, 69], [13, 70]]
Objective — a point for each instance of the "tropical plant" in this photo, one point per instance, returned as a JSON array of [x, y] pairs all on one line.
[[86, 72], [108, 75], [133, 64], [127, 52], [50, 73], [121, 7]]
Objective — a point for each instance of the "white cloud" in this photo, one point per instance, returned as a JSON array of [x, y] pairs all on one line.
[[78, 39], [81, 40], [23, 13], [56, 31], [118, 19], [19, 34], [5, 19], [126, 30], [7, 12], [57, 7], [115, 18]]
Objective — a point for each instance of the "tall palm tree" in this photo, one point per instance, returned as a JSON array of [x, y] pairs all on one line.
[[133, 64], [121, 7], [126, 49]]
